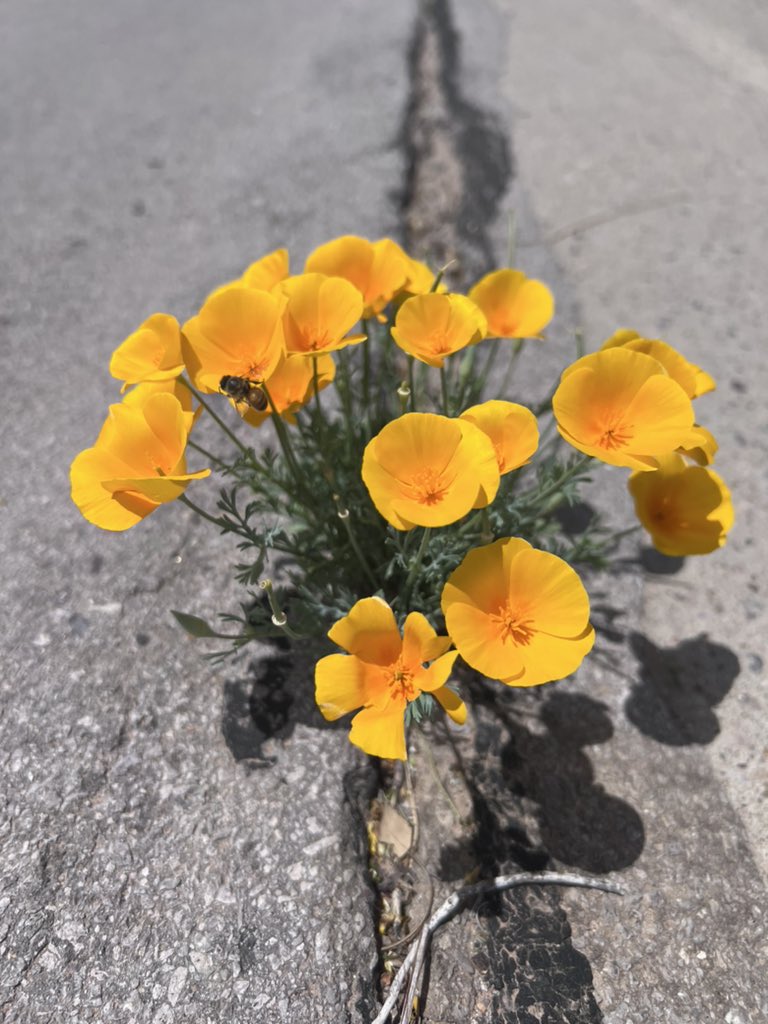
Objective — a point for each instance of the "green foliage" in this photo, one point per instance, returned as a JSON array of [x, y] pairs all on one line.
[[301, 515]]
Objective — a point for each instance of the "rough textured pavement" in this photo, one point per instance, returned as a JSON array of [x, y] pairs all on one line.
[[165, 859]]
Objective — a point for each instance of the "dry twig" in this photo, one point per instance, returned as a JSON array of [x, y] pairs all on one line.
[[414, 962]]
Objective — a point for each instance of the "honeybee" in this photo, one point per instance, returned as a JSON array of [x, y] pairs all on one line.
[[240, 389]]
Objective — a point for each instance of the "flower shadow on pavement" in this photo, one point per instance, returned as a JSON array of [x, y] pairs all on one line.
[[579, 823], [275, 694], [678, 687]]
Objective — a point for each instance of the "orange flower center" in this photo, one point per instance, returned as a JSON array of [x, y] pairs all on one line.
[[255, 372], [400, 682], [616, 435], [513, 625], [427, 487]]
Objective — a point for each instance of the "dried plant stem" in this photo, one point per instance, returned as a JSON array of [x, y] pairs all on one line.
[[413, 964]]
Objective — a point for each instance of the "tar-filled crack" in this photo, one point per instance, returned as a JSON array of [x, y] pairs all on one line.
[[459, 158], [459, 166]]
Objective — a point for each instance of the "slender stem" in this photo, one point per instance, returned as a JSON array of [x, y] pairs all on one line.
[[516, 350], [444, 388], [366, 368], [415, 566], [284, 441], [412, 383], [555, 486], [209, 455], [201, 512], [214, 416], [344, 516]]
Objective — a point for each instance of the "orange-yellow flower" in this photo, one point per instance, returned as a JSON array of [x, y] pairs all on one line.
[[377, 269], [622, 407], [428, 470], [514, 305], [420, 279], [686, 509], [138, 396], [700, 446], [238, 333], [267, 272], [512, 429], [290, 387], [318, 313], [382, 674], [692, 379], [136, 464], [152, 353], [518, 614], [433, 326]]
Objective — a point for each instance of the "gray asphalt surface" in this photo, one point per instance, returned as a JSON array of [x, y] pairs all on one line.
[[150, 873], [152, 868]]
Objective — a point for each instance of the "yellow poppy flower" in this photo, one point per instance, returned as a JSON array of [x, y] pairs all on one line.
[[431, 327], [622, 407], [428, 470], [152, 353], [318, 313], [420, 279], [514, 305], [267, 272], [512, 429], [517, 614], [290, 387], [382, 673], [136, 464], [700, 447], [686, 509], [692, 379], [377, 269], [238, 333], [138, 396]]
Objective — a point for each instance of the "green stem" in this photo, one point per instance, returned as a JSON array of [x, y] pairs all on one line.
[[415, 566], [555, 486], [412, 383], [366, 368], [201, 512], [514, 356], [214, 416], [208, 455], [284, 441], [344, 516], [444, 389]]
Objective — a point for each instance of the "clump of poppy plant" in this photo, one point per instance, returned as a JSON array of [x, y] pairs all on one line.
[[406, 502]]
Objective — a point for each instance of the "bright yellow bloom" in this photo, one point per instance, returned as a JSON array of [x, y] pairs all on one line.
[[319, 312], [382, 673], [686, 509], [700, 447], [420, 279], [290, 387], [692, 379], [514, 305], [136, 464], [512, 429], [431, 327], [427, 470], [377, 269], [238, 333], [623, 408], [138, 396], [152, 353], [518, 614], [267, 272]]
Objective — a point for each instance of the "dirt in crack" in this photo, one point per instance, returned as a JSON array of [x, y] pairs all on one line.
[[459, 159]]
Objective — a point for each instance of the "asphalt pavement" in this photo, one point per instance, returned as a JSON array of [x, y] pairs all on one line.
[[183, 843]]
